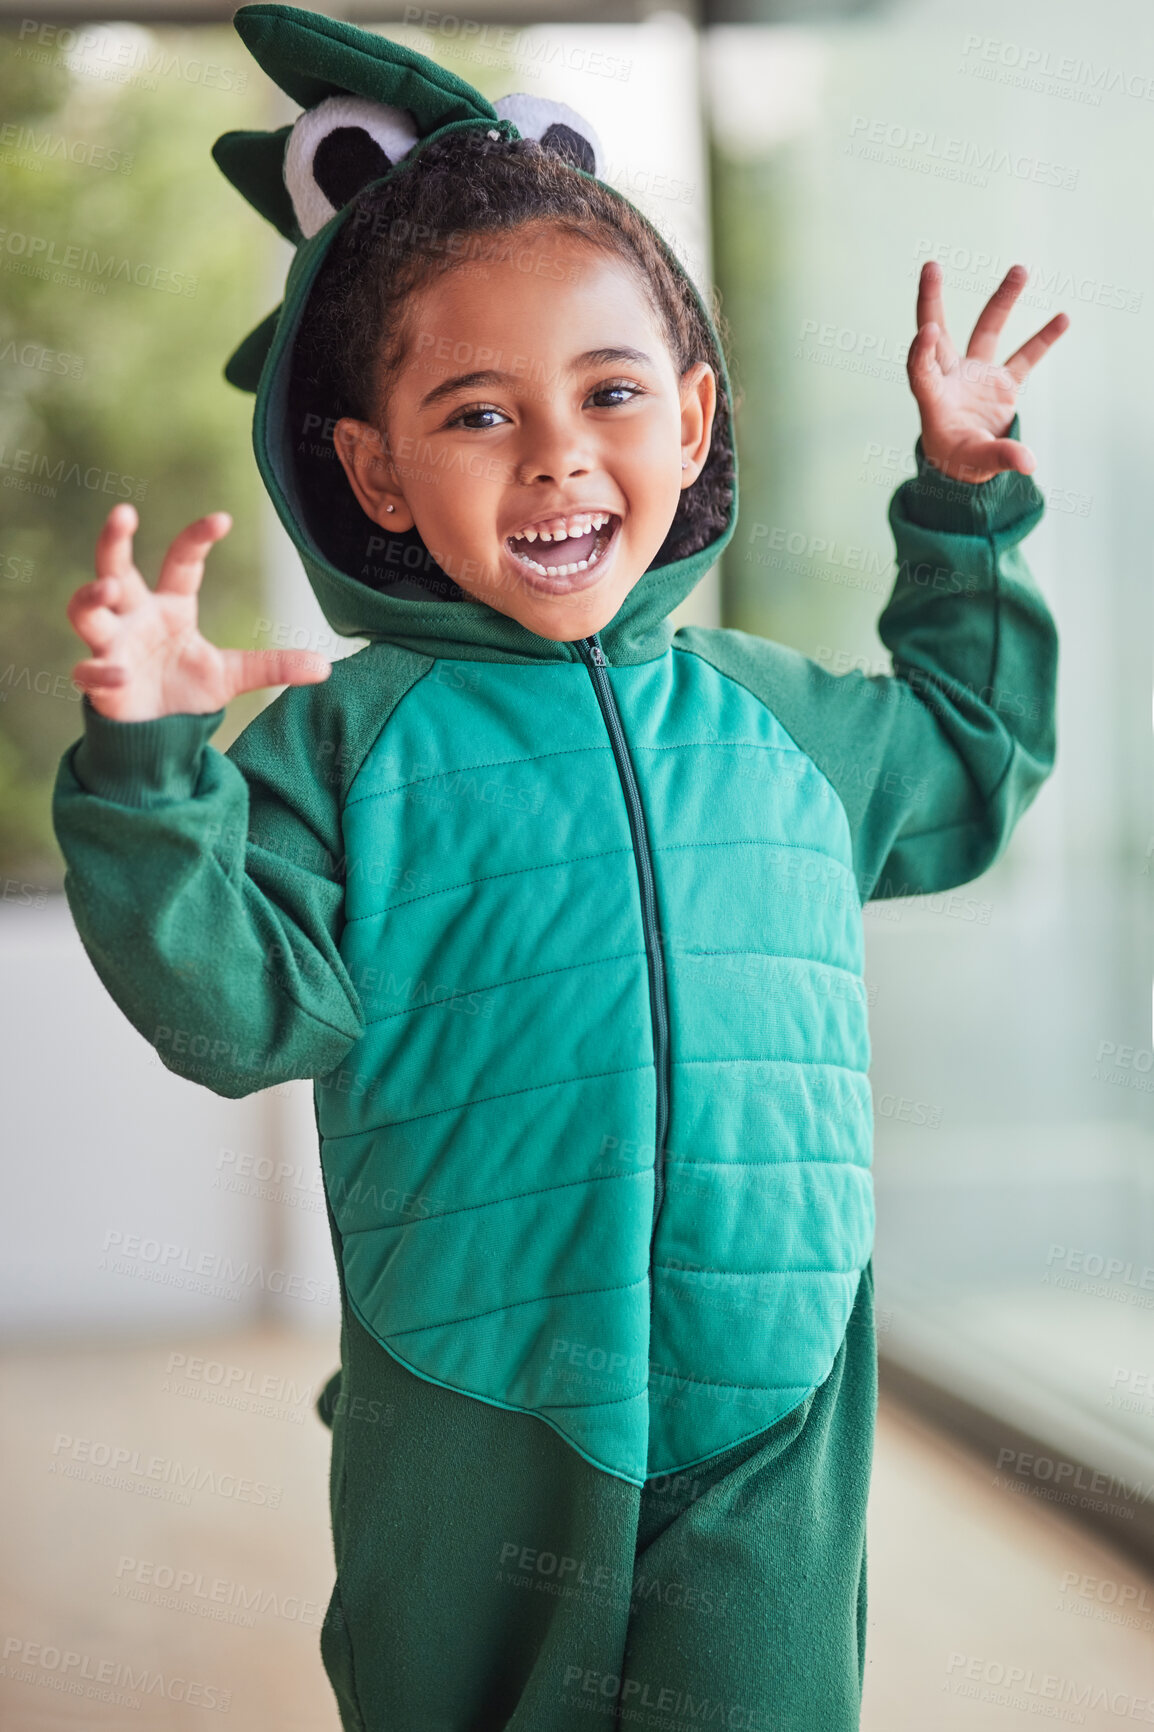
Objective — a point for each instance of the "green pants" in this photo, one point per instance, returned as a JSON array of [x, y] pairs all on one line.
[[490, 1578]]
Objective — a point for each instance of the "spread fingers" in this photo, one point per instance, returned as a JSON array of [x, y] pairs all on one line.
[[1035, 347], [183, 565], [94, 676], [94, 611], [114, 543]]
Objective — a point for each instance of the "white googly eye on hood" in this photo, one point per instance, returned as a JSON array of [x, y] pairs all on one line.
[[337, 148], [557, 127]]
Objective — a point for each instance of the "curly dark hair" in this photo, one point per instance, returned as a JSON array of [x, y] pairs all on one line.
[[402, 233]]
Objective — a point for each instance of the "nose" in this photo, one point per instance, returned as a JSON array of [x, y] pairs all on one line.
[[556, 451], [562, 469], [558, 473]]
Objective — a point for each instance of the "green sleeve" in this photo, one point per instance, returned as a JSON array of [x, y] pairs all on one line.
[[208, 887], [936, 762]]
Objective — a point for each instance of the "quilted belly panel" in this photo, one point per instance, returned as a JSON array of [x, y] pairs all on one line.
[[489, 1144]]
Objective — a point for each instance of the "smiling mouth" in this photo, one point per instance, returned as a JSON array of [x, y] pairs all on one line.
[[571, 556]]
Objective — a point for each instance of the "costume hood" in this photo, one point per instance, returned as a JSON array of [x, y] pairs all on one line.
[[369, 106]]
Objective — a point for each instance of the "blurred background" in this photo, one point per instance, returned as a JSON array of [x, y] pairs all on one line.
[[167, 1292]]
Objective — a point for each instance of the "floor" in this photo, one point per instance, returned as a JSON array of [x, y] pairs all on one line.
[[987, 1607], [167, 1554]]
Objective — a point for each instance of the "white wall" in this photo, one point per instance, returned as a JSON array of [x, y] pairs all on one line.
[[118, 1216]]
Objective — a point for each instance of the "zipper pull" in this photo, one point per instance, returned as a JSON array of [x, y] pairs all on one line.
[[596, 652]]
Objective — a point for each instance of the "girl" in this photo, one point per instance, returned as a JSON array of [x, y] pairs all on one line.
[[560, 910]]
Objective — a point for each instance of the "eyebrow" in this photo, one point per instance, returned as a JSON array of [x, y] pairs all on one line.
[[491, 376]]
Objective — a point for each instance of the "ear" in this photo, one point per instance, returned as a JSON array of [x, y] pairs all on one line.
[[337, 148], [556, 127], [698, 392], [362, 453]]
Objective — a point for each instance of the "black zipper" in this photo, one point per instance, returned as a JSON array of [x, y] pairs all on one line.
[[589, 648]]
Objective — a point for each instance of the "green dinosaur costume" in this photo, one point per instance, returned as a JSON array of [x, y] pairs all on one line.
[[569, 938]]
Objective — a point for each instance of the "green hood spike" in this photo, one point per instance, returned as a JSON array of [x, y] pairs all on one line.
[[312, 57], [243, 368], [254, 163]]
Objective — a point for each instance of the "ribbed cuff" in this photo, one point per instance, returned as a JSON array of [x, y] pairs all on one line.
[[142, 763], [937, 501]]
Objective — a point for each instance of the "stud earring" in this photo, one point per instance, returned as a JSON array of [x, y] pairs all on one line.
[[390, 508], [685, 466]]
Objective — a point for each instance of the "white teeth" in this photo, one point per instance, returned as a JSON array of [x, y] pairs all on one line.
[[596, 520], [564, 532]]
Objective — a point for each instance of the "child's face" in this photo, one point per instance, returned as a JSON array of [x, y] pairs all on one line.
[[512, 413]]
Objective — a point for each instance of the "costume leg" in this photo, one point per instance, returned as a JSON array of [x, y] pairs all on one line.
[[749, 1590], [484, 1568], [491, 1580]]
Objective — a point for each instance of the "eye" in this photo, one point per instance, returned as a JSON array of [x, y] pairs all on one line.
[[459, 419], [626, 385], [337, 148], [556, 127]]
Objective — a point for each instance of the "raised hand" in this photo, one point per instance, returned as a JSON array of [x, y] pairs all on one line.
[[967, 402], [148, 658]]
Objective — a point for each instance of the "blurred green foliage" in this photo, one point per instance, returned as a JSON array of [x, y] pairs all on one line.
[[111, 382], [750, 267]]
